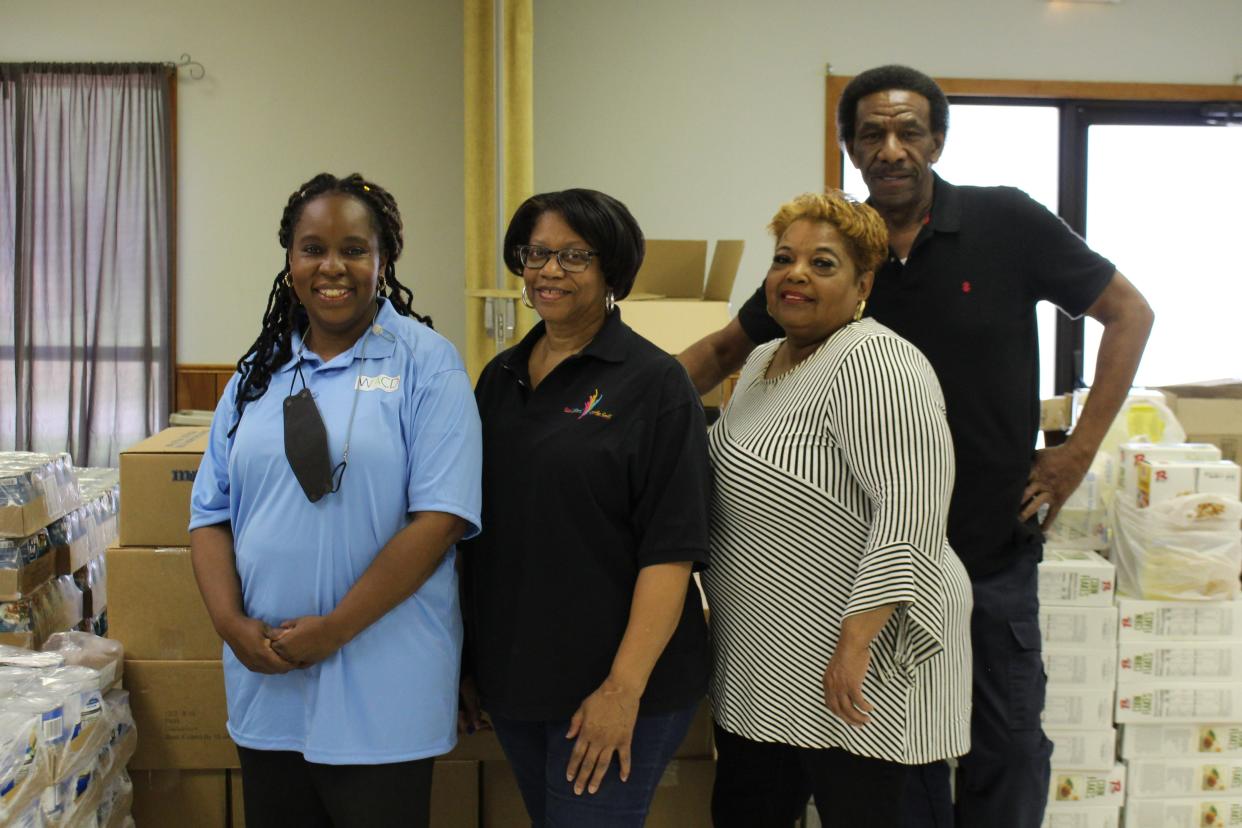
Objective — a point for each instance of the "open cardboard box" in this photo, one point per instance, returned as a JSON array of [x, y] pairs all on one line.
[[1211, 412], [672, 305]]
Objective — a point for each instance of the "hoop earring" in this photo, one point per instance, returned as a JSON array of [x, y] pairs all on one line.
[[610, 302], [288, 282], [858, 312], [383, 285], [526, 299]]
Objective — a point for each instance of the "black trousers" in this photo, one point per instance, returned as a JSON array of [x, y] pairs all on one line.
[[282, 789], [766, 785]]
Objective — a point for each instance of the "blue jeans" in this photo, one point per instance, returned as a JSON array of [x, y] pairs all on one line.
[[539, 755]]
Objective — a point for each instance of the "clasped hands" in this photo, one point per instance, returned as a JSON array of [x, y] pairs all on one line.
[[298, 643]]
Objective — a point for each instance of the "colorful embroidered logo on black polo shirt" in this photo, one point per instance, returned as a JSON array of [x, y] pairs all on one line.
[[590, 407]]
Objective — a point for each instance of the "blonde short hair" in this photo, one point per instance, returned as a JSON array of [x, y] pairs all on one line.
[[859, 225]]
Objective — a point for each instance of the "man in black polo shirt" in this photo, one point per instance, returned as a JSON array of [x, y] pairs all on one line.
[[966, 268]]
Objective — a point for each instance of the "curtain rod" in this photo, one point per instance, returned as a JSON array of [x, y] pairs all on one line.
[[196, 70]]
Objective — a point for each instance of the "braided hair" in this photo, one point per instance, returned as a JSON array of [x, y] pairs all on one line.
[[273, 347]]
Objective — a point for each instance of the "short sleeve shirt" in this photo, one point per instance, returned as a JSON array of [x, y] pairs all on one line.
[[598, 472], [966, 298], [390, 695]]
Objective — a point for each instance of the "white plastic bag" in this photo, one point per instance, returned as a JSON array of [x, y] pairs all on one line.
[[1185, 549]]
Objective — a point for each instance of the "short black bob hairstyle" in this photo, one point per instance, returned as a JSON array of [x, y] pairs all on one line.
[[603, 223], [882, 79]]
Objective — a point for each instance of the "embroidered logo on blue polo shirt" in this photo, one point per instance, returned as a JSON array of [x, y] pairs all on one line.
[[381, 382], [590, 407]]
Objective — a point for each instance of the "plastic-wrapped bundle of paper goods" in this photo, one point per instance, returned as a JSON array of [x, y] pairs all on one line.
[[64, 742], [26, 476], [28, 621]]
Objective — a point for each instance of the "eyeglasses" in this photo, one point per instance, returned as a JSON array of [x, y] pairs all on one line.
[[571, 259]]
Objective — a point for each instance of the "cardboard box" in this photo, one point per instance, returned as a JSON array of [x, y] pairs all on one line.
[[25, 579], [1081, 816], [23, 521], [1088, 787], [1210, 412], [672, 305], [1208, 776], [1164, 741], [180, 713], [1131, 454], [196, 799], [454, 794], [1184, 813], [1078, 626], [1179, 702], [1076, 576], [682, 798], [155, 608], [1190, 620], [1083, 749], [1162, 480], [1080, 708], [1181, 660], [1080, 667], [72, 556], [156, 478]]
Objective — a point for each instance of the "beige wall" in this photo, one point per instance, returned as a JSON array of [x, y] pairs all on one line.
[[293, 87], [703, 116]]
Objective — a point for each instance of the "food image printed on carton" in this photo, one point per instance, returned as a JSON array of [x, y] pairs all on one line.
[[1106, 787], [1188, 660], [1184, 813], [1163, 741], [1198, 620], [1206, 776]]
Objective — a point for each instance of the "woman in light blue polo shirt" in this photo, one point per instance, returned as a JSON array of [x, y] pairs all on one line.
[[343, 467]]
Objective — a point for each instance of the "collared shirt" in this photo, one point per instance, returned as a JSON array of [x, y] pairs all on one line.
[[966, 298], [390, 695], [600, 471]]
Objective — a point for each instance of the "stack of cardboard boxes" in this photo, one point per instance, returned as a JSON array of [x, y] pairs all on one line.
[[1078, 623], [1179, 703], [172, 669]]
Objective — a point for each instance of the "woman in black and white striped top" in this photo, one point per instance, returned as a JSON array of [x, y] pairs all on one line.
[[840, 615]]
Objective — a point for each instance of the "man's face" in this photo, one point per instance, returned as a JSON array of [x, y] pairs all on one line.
[[894, 148]]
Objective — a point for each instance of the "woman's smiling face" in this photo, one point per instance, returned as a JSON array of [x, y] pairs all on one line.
[[813, 286]]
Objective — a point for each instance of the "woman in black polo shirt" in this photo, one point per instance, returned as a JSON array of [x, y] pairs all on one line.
[[589, 649]]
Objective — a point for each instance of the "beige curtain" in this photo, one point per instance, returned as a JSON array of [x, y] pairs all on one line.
[[499, 156]]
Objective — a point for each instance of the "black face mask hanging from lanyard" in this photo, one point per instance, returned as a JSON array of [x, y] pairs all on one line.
[[306, 437], [306, 443]]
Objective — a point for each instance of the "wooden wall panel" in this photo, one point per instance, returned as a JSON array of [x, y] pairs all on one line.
[[201, 386]]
